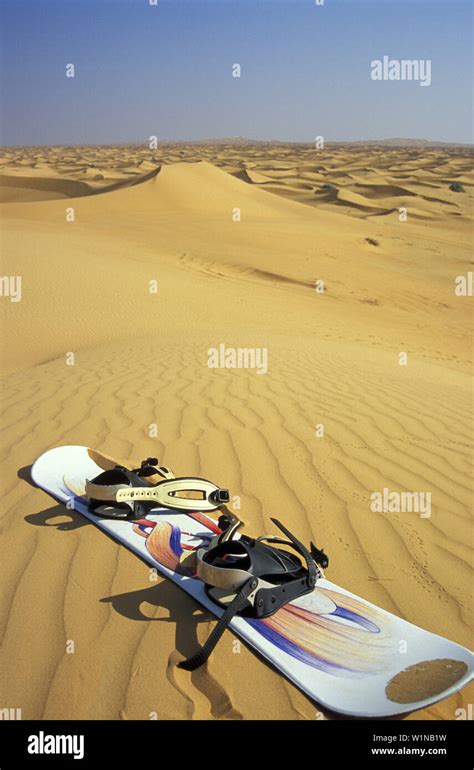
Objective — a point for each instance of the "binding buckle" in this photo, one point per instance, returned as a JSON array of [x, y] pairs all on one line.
[[220, 496]]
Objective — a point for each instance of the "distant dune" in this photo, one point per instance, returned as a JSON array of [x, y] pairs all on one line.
[[41, 181]]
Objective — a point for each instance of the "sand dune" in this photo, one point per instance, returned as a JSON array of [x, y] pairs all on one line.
[[43, 181], [141, 359]]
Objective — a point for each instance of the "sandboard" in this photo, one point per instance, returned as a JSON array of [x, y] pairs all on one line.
[[347, 654]]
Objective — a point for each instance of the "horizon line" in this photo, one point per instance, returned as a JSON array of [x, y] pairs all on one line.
[[247, 140]]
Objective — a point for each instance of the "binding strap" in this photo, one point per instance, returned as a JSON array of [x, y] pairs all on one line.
[[167, 493], [313, 571], [237, 605], [128, 491]]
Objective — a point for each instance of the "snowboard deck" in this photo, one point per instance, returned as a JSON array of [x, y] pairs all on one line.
[[345, 653]]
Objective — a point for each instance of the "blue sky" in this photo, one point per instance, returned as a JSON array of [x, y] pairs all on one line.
[[166, 70]]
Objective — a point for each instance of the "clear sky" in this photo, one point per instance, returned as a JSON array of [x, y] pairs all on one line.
[[166, 70]]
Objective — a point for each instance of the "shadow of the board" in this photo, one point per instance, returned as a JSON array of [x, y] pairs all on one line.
[[185, 615], [47, 518], [183, 611]]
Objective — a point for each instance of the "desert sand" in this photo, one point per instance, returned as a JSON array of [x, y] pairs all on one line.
[[140, 359]]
